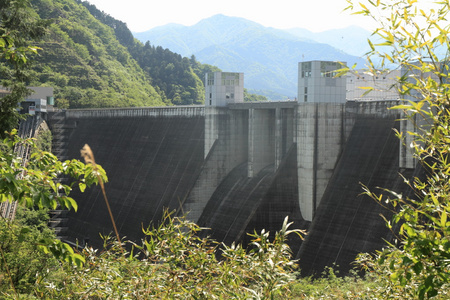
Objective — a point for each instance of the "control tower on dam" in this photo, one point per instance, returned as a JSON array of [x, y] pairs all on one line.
[[236, 167]]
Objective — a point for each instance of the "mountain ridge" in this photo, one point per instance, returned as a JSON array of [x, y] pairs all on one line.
[[268, 56]]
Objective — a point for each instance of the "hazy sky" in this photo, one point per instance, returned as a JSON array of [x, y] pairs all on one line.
[[315, 15]]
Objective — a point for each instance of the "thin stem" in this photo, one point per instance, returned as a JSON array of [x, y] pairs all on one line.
[[9, 273], [88, 156], [110, 212]]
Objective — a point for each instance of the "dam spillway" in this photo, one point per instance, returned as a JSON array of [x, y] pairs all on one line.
[[241, 168], [151, 163]]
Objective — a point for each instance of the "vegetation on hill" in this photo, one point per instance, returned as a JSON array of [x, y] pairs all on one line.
[[85, 63], [92, 60], [249, 97], [172, 75], [20, 30]]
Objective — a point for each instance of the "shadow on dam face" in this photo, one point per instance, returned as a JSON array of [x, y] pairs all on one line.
[[243, 205], [346, 222], [151, 163]]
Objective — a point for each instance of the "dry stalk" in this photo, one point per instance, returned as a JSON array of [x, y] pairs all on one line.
[[88, 156]]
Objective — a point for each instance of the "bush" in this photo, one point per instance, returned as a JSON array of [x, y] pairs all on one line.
[[172, 262]]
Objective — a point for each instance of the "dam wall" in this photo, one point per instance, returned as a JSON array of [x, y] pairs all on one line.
[[241, 168], [346, 221], [151, 156], [226, 146]]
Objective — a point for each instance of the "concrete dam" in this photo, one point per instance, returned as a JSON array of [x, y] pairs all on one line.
[[239, 168]]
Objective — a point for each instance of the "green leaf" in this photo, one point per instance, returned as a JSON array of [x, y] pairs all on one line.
[[82, 186], [402, 106], [418, 267], [72, 203], [444, 219]]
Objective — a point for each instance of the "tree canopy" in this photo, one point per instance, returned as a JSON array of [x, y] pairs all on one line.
[[20, 29]]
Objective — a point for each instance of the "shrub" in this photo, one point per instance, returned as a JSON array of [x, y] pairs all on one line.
[[172, 262]]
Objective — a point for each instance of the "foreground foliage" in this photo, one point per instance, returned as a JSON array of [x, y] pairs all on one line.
[[415, 38], [36, 184], [22, 262], [172, 262]]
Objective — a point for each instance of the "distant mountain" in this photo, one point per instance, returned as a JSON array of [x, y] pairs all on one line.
[[269, 57], [351, 40]]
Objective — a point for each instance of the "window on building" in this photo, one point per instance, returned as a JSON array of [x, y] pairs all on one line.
[[328, 69], [306, 69]]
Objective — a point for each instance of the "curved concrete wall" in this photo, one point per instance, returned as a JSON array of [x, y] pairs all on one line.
[[151, 162], [242, 168], [346, 222]]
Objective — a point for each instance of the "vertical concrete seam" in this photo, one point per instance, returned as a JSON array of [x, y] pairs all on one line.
[[315, 157]]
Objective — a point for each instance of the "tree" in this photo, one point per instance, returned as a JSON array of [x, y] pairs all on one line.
[[22, 263], [37, 185], [248, 97], [415, 39], [18, 27]]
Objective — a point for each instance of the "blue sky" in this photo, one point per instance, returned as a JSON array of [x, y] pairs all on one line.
[[315, 15]]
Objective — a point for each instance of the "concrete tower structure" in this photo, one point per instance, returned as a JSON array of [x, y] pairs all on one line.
[[320, 130], [317, 82], [222, 88]]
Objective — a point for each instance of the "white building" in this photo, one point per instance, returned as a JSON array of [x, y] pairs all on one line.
[[222, 88], [317, 82], [365, 86], [42, 92]]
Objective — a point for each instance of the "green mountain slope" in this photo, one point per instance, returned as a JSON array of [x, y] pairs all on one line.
[[92, 60], [174, 76]]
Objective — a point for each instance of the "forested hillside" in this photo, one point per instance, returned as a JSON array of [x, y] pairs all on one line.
[[177, 78], [92, 60]]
